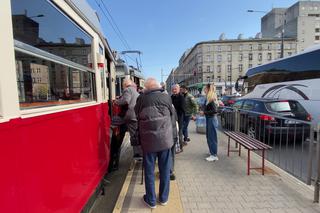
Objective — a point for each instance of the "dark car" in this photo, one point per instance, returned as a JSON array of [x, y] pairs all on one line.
[[269, 119], [228, 100]]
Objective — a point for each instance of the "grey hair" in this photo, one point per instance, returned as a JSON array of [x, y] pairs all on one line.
[[151, 83], [176, 86]]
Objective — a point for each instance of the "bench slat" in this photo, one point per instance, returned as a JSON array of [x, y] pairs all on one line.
[[256, 141], [236, 138], [243, 142], [248, 142], [251, 141]]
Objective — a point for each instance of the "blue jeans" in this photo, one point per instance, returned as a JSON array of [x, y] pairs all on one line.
[[211, 133], [164, 164], [186, 120]]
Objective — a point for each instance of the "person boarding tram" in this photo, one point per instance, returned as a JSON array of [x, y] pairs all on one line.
[[129, 99]]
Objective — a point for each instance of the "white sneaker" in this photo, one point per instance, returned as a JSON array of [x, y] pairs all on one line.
[[212, 158]]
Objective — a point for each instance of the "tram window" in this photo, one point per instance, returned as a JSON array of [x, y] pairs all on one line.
[[43, 83], [40, 24]]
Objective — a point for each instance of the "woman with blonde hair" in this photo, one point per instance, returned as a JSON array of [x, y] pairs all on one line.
[[210, 111]]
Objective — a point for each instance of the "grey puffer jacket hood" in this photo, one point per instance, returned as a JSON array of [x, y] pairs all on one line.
[[154, 114]]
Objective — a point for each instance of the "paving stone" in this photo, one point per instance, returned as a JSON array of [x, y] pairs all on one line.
[[223, 186]]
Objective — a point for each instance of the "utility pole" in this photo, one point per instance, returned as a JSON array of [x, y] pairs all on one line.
[[161, 75], [282, 41], [282, 30]]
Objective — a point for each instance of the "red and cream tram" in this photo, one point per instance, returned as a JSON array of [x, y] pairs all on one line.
[[55, 84]]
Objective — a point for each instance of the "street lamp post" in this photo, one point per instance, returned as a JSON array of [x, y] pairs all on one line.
[[282, 41], [282, 30]]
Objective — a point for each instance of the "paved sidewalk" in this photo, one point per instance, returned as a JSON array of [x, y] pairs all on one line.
[[223, 186]]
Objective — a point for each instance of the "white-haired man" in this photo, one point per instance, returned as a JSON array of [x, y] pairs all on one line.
[[178, 102], [129, 98], [154, 113]]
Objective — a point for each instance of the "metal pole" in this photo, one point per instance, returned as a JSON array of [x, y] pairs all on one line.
[[309, 169], [316, 185], [282, 41]]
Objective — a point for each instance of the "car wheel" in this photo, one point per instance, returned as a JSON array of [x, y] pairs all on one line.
[[251, 132]]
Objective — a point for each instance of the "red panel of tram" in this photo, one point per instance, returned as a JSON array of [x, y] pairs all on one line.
[[58, 161]]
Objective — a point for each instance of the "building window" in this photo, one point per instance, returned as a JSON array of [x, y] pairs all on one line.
[[260, 56], [199, 59], [269, 46], [240, 57], [199, 49], [279, 46], [250, 56], [229, 67], [208, 69], [219, 68], [269, 56], [229, 57], [208, 58], [240, 67], [260, 47], [279, 55], [317, 30], [219, 58], [229, 48], [250, 47], [289, 53], [240, 47], [219, 48], [317, 38], [250, 66], [219, 78], [229, 78], [200, 69], [208, 48]]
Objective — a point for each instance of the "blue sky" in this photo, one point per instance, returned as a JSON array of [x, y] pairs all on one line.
[[164, 29]]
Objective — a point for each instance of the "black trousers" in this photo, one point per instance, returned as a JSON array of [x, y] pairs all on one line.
[[180, 123]]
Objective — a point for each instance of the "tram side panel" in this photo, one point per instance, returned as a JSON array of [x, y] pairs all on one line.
[[53, 163]]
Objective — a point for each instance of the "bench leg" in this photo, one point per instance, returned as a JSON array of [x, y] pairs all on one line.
[[228, 146], [263, 162], [239, 150], [248, 172]]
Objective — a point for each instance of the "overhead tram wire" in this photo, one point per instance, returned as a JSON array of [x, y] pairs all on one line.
[[125, 44], [114, 22], [116, 29]]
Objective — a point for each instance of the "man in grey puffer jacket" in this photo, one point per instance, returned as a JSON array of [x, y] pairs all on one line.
[[154, 112], [129, 98]]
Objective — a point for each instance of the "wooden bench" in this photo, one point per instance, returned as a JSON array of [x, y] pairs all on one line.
[[250, 144]]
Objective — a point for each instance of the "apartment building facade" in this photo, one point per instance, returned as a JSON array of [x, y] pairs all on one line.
[[223, 61], [300, 21]]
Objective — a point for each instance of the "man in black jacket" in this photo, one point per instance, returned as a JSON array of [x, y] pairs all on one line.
[[154, 113], [178, 102]]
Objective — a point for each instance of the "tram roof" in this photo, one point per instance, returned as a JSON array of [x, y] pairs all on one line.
[[307, 60]]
